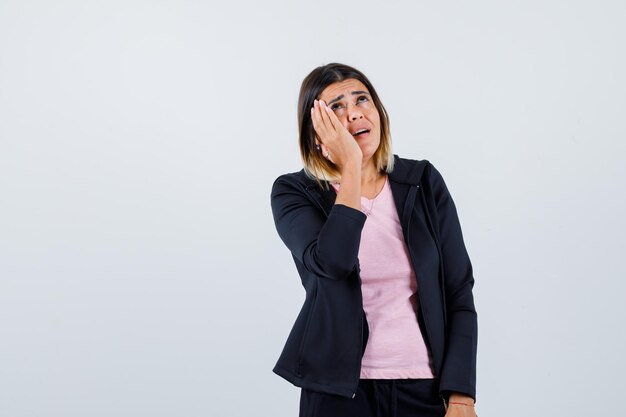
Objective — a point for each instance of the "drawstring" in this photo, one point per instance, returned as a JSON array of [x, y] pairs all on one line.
[[394, 398], [375, 387]]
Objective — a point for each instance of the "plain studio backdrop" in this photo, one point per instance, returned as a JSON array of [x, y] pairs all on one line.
[[140, 269]]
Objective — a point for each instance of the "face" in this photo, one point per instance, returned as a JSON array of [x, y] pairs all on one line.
[[355, 109]]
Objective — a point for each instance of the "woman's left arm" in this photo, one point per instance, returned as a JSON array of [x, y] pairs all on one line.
[[458, 374]]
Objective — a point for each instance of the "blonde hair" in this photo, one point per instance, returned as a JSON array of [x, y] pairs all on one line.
[[316, 166]]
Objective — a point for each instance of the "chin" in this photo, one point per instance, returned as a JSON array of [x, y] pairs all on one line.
[[369, 147]]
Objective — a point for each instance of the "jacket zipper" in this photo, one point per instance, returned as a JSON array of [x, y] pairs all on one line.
[[419, 298], [406, 241], [440, 276], [443, 399]]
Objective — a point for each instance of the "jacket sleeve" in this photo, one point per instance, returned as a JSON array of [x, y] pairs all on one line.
[[459, 365], [329, 246]]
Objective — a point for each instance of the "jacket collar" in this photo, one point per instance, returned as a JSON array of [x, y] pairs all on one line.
[[406, 172]]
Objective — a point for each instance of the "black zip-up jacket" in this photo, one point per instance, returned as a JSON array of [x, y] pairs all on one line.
[[324, 349]]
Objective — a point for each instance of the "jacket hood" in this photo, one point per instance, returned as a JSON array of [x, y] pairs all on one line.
[[408, 171]]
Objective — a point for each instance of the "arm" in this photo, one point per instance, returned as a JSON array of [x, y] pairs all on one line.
[[458, 374], [327, 247]]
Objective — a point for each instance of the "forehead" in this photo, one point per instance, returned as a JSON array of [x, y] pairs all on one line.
[[342, 87]]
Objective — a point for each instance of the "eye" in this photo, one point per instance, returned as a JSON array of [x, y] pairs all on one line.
[[362, 97], [336, 106]]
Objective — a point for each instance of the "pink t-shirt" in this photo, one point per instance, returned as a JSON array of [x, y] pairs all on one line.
[[395, 348]]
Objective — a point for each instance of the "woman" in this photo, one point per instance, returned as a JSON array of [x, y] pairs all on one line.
[[388, 325]]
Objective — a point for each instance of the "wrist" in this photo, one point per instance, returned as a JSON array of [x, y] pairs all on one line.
[[456, 396], [464, 399], [352, 165]]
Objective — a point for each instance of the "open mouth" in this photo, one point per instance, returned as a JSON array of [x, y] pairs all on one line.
[[361, 133]]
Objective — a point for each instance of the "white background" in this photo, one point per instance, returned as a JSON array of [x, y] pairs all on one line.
[[140, 270]]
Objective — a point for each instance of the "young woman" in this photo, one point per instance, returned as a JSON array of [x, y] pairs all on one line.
[[388, 325]]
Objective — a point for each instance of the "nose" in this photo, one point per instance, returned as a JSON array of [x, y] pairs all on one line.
[[354, 113]]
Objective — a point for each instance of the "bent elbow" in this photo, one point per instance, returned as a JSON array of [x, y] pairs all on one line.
[[328, 266]]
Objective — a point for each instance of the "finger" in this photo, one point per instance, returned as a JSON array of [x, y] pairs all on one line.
[[318, 123], [313, 117], [324, 115], [334, 121]]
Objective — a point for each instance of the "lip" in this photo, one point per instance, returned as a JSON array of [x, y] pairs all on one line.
[[362, 135], [353, 131]]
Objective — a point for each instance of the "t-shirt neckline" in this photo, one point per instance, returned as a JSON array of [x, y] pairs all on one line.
[[375, 197]]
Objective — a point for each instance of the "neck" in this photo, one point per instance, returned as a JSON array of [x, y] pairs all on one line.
[[369, 173]]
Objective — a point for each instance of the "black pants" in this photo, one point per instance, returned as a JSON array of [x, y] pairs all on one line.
[[378, 398]]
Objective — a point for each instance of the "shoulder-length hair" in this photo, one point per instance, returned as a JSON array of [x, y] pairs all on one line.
[[316, 166]]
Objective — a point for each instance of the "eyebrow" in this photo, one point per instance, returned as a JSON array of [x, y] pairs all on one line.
[[354, 93]]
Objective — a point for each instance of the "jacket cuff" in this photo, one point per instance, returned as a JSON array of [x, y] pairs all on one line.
[[445, 391], [348, 211]]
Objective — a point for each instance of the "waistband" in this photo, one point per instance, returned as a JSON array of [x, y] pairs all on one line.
[[397, 381], [394, 394]]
